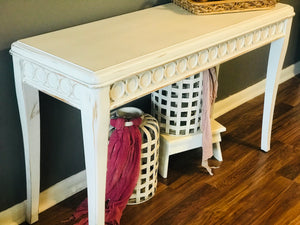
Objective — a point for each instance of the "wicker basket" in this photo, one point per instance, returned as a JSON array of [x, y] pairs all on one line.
[[225, 6], [177, 107]]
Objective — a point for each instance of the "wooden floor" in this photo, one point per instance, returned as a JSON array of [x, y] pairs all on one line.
[[250, 187]]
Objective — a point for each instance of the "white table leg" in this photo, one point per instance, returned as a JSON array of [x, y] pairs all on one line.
[[95, 115], [275, 63], [28, 102], [164, 155], [217, 151]]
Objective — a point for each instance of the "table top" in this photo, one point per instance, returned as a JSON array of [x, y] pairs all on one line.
[[120, 46]]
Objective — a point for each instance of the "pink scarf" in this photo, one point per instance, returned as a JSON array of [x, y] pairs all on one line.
[[210, 87], [123, 168]]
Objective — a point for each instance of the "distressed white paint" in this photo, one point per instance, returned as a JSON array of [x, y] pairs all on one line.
[[95, 116], [272, 81], [150, 49], [28, 101]]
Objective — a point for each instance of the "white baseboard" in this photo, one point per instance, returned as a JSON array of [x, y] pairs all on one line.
[[14, 215], [48, 198], [62, 190], [76, 183], [223, 106]]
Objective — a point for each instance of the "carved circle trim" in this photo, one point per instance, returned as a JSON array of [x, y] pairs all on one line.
[[145, 79], [213, 53], [280, 27], [182, 65], [66, 86], [158, 74], [53, 80], [195, 60], [117, 90], [240, 43], [41, 75], [265, 33], [249, 39], [28, 70], [232, 46], [132, 84], [45, 79], [203, 57], [170, 69], [257, 36], [223, 49], [273, 29]]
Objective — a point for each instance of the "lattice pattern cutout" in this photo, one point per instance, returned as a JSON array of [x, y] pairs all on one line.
[[177, 107], [147, 181]]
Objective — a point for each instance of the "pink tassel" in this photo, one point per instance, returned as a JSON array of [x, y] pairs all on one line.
[[82, 212], [83, 221], [123, 168]]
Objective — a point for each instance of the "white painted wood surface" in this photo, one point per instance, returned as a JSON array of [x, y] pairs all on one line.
[[99, 66], [29, 110], [171, 144], [95, 116], [109, 50], [276, 58]]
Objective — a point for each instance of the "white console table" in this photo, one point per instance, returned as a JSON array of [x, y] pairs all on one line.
[[99, 66]]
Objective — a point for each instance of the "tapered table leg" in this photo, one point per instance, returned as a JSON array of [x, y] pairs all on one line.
[[95, 116], [276, 58], [28, 102]]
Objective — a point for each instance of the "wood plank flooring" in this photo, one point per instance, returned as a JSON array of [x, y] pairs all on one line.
[[250, 187]]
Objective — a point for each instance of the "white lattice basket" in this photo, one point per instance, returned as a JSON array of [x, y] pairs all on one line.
[[177, 107], [147, 181], [149, 128]]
